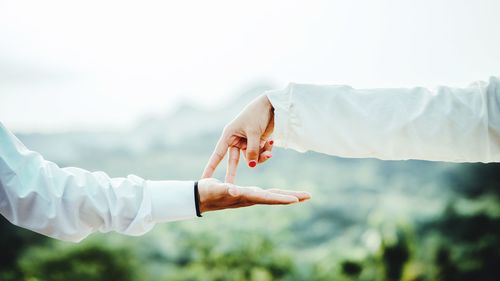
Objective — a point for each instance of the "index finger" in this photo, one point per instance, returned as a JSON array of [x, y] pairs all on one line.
[[216, 157], [232, 164]]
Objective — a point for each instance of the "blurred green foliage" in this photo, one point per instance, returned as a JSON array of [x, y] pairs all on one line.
[[87, 262], [368, 220]]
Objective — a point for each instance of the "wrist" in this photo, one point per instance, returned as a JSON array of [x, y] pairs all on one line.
[[266, 103], [202, 197], [197, 199]]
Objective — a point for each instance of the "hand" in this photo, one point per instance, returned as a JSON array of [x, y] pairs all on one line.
[[215, 195], [248, 132]]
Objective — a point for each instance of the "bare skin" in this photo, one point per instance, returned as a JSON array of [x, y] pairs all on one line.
[[248, 133], [215, 195]]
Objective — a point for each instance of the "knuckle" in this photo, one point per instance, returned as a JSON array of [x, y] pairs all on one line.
[[252, 131], [252, 153], [228, 130], [219, 154]]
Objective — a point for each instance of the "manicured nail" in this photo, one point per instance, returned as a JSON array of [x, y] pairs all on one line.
[[269, 156], [252, 164], [271, 142]]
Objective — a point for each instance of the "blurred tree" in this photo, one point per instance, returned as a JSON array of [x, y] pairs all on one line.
[[13, 242], [475, 180], [80, 263], [250, 257], [394, 256], [470, 240], [351, 268]]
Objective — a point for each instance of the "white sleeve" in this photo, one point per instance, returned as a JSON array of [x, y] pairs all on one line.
[[445, 124], [71, 203]]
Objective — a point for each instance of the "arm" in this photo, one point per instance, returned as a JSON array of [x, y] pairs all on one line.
[[448, 124], [71, 203]]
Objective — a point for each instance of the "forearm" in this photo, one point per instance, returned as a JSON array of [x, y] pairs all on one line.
[[450, 124], [71, 203]]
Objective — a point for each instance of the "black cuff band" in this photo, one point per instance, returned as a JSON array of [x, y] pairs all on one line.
[[197, 199]]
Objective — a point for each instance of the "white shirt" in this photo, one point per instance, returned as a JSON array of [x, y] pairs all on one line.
[[71, 203], [449, 124], [445, 124]]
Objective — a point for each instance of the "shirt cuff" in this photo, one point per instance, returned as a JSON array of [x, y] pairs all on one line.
[[171, 200], [281, 102]]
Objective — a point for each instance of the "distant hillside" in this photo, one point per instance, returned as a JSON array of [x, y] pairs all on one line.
[[182, 123]]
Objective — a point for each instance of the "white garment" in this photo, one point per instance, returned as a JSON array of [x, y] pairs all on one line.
[[71, 203], [445, 124]]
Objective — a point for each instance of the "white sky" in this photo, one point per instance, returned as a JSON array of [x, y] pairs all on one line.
[[104, 64]]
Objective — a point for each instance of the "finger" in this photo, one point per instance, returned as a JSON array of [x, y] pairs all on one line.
[[232, 164], [265, 152], [265, 143], [262, 143], [269, 129], [264, 156], [268, 146], [253, 150], [216, 157], [301, 195], [265, 197]]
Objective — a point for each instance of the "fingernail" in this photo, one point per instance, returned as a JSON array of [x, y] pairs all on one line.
[[271, 142], [306, 195], [252, 164], [269, 156]]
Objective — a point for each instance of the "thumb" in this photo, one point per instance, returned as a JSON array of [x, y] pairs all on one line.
[[253, 149]]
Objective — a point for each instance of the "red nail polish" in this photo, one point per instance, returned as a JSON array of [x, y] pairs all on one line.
[[271, 142], [252, 164]]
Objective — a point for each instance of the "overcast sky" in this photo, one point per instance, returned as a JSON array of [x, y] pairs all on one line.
[[103, 64]]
